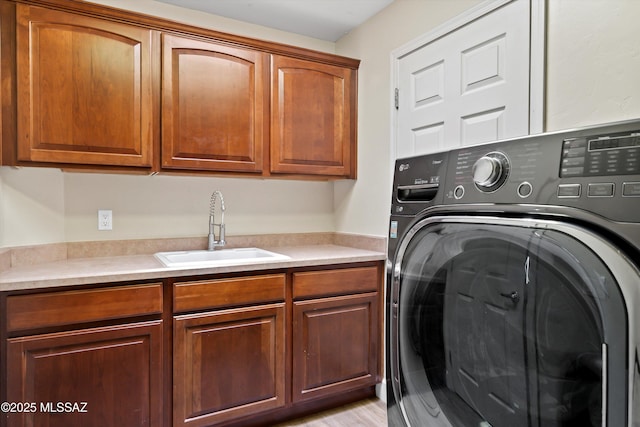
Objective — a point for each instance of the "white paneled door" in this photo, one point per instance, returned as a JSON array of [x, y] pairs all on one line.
[[469, 86]]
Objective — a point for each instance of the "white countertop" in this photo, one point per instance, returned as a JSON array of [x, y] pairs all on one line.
[[83, 271]]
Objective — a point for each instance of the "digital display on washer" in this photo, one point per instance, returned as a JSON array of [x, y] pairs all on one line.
[[601, 155]]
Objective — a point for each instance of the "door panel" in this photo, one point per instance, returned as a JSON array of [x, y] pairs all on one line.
[[215, 112], [228, 364], [334, 344], [313, 110], [468, 87], [84, 89], [115, 370]]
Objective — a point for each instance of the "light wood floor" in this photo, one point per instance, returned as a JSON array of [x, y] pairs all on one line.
[[366, 413]]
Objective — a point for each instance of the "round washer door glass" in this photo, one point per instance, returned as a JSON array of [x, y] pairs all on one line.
[[506, 325]]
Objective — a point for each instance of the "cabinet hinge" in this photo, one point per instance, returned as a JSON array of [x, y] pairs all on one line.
[[397, 98]]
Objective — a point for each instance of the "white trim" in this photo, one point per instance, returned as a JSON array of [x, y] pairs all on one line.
[[536, 64], [381, 390]]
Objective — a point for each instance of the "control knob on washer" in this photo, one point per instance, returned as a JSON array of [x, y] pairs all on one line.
[[490, 171]]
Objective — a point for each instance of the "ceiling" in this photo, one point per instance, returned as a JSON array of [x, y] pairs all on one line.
[[321, 19]]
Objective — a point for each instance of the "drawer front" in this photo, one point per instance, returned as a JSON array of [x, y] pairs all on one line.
[[90, 305], [209, 294], [346, 281]]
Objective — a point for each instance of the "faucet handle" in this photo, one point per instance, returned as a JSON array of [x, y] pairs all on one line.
[[221, 240]]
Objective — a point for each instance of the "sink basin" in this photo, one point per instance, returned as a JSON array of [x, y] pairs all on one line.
[[217, 258]]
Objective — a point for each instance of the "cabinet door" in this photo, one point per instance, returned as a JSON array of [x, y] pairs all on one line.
[[335, 345], [215, 106], [84, 90], [313, 118], [100, 377], [228, 364]]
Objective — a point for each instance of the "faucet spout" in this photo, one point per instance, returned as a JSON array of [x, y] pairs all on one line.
[[213, 243]]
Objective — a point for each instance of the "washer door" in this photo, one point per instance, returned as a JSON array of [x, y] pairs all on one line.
[[516, 323]]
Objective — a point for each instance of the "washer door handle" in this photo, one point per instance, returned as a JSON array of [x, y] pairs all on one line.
[[513, 296]]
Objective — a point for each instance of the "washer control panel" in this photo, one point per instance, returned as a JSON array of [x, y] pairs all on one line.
[[595, 169], [601, 155]]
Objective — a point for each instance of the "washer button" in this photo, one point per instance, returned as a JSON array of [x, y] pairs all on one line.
[[569, 191], [631, 189], [525, 189], [458, 192], [601, 190]]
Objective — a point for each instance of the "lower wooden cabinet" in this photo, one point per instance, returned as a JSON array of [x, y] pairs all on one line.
[[335, 345], [201, 351], [336, 331], [110, 376], [228, 364]]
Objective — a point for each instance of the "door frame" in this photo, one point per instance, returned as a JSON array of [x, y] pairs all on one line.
[[537, 44]]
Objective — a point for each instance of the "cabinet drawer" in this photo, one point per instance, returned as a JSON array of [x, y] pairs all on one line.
[[335, 282], [208, 294], [91, 305]]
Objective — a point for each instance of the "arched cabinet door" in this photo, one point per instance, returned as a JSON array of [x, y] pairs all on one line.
[[215, 109], [84, 89], [313, 118]]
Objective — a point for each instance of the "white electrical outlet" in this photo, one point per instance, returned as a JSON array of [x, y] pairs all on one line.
[[105, 220]]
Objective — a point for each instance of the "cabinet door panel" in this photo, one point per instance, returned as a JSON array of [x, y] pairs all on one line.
[[228, 364], [84, 89], [313, 118], [335, 345], [215, 106], [116, 370]]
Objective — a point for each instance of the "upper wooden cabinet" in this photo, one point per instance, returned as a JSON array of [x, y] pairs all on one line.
[[84, 89], [215, 109], [96, 87], [313, 118]]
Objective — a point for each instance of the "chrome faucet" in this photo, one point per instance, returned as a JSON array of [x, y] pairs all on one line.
[[213, 243]]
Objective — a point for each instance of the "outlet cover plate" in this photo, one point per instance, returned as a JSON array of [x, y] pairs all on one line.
[[105, 219]]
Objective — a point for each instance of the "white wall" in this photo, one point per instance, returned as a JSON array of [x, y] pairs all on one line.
[[593, 54], [32, 206], [218, 23], [363, 207], [178, 206]]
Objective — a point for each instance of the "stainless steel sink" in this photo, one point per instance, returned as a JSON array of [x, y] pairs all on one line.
[[218, 258]]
